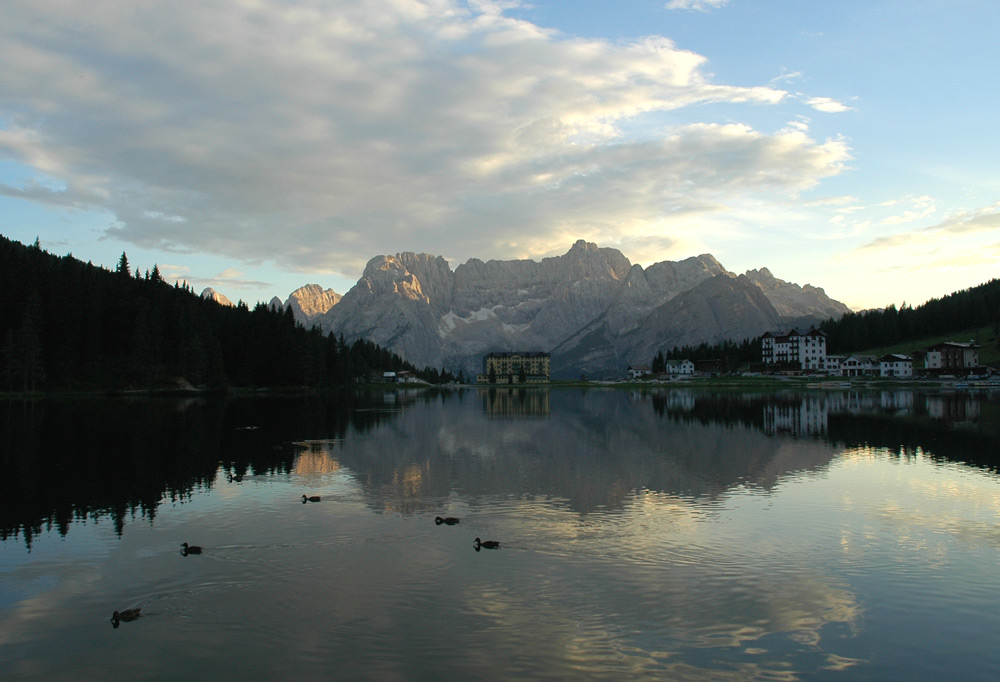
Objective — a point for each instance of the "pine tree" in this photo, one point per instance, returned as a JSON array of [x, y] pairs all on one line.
[[659, 363], [123, 266]]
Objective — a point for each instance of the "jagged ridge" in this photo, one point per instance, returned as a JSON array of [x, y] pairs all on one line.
[[591, 308]]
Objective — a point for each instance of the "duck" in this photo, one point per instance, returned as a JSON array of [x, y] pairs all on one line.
[[488, 544], [313, 498], [449, 520], [190, 549], [238, 478], [125, 616]]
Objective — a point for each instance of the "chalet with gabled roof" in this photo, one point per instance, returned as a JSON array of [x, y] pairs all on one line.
[[794, 350], [896, 366]]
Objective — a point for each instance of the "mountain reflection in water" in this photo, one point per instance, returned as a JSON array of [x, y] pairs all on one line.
[[65, 460], [645, 534]]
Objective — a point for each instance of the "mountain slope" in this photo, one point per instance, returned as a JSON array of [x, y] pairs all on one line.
[[723, 307], [591, 308], [791, 300]]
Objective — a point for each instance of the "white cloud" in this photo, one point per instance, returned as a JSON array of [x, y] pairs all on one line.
[[923, 207], [828, 105], [786, 76], [947, 236], [319, 134], [699, 5]]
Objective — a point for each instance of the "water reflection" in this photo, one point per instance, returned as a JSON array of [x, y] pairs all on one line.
[[67, 460], [645, 535], [515, 402]]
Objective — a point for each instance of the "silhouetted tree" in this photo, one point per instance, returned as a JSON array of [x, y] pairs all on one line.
[[123, 267]]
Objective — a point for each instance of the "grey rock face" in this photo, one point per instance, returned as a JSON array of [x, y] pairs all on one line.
[[591, 308], [791, 300], [716, 309]]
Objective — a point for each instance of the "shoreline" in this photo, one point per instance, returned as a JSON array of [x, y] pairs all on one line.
[[804, 383]]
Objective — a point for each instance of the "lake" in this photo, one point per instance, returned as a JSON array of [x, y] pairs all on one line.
[[647, 534]]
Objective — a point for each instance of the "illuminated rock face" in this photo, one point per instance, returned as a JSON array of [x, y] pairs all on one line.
[[310, 302], [591, 308], [213, 295]]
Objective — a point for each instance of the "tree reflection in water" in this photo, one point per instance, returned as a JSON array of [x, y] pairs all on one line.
[[65, 460]]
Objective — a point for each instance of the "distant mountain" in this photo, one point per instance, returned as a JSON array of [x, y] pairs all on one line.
[[212, 295], [721, 308], [310, 302], [591, 308], [791, 300]]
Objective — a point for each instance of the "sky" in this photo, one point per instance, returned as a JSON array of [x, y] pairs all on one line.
[[255, 146]]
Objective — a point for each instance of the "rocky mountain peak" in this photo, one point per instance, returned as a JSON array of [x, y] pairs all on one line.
[[213, 295], [761, 275], [309, 302], [791, 300], [588, 260], [590, 307]]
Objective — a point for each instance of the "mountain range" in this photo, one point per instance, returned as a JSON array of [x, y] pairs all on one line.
[[593, 310]]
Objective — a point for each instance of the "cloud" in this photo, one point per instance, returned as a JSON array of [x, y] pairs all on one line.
[[699, 5], [986, 219], [318, 134], [786, 75], [828, 105], [963, 223], [957, 245], [228, 279], [924, 207]]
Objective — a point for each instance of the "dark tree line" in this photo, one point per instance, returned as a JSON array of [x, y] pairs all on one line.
[[65, 324], [961, 311], [67, 461], [729, 354]]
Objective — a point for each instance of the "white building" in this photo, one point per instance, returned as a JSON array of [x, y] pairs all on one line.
[[804, 351], [860, 366], [896, 366], [682, 367], [834, 364], [951, 358], [636, 371]]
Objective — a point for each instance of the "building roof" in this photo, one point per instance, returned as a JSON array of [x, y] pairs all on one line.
[[794, 332], [521, 354], [971, 345]]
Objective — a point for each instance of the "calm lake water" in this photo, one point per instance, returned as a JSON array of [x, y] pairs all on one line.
[[645, 535]]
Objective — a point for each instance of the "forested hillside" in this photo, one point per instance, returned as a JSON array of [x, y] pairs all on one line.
[[967, 309], [957, 313], [67, 325]]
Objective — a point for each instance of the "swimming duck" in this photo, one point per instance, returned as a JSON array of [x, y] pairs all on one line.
[[488, 544], [449, 520], [238, 478], [314, 498], [124, 616], [190, 549]]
